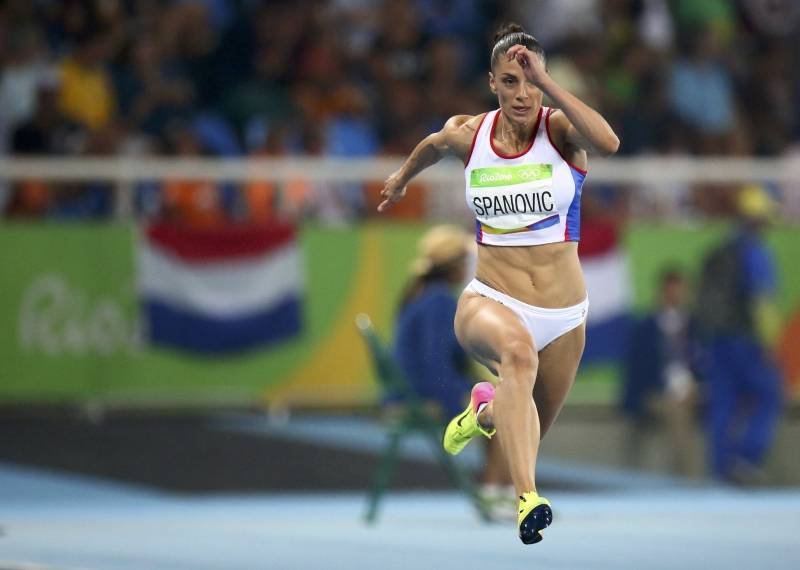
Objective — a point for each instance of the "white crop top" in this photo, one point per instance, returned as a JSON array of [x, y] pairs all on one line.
[[530, 198]]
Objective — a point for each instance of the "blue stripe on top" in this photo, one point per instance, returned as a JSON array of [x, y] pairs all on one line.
[[545, 223], [573, 226]]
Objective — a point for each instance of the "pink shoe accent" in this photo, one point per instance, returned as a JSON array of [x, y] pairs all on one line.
[[482, 393]]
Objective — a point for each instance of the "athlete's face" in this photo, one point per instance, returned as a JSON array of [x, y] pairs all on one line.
[[519, 99]]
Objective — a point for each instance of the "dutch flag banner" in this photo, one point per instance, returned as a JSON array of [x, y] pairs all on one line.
[[608, 281], [220, 290]]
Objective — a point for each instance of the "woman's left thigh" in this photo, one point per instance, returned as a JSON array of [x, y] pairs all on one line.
[[558, 364]]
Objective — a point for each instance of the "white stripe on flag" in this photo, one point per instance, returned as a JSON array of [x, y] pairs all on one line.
[[220, 289], [609, 285]]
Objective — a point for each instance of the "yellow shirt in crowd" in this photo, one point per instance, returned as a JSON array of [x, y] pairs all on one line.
[[86, 95]]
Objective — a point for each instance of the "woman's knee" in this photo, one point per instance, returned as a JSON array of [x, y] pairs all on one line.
[[519, 355]]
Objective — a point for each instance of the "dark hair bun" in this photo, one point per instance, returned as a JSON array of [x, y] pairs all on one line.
[[507, 29], [511, 34]]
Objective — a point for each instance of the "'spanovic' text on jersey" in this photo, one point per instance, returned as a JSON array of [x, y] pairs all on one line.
[[532, 202]]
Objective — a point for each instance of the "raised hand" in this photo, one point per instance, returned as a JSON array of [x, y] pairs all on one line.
[[531, 64]]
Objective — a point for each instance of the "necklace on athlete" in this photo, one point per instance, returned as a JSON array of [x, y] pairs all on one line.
[[509, 138]]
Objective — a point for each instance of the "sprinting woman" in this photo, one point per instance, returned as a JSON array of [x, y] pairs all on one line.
[[524, 314]]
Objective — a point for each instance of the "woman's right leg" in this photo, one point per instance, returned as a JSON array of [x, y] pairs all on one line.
[[494, 335], [496, 470]]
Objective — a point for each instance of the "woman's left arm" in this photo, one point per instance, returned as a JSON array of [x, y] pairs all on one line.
[[587, 129]]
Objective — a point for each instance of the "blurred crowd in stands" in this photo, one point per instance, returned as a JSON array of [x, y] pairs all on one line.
[[350, 78]]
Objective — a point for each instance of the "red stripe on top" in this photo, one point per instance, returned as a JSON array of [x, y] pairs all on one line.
[[219, 244], [550, 138], [530, 145], [474, 138]]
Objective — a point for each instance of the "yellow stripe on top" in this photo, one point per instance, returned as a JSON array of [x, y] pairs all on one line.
[[491, 230]]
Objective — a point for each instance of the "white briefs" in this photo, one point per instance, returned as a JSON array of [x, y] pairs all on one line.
[[544, 325]]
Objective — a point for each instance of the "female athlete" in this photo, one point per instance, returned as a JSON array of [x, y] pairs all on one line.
[[523, 316]]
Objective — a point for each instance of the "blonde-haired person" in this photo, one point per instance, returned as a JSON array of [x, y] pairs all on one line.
[[426, 347], [524, 314]]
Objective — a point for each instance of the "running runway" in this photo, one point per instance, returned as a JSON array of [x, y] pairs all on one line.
[[55, 520]]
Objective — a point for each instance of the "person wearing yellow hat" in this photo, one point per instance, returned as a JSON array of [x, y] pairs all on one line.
[[754, 204], [425, 346], [440, 250], [427, 350], [737, 317]]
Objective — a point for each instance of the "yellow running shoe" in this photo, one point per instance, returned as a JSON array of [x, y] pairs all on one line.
[[465, 426], [534, 516]]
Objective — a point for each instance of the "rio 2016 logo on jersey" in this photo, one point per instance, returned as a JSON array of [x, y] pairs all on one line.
[[510, 175], [500, 200]]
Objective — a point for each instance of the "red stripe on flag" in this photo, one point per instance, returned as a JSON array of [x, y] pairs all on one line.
[[597, 237], [219, 244]]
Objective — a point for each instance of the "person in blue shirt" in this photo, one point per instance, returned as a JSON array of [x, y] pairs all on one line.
[[739, 321], [427, 350], [426, 347]]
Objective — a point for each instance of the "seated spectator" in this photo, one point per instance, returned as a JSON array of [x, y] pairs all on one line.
[[150, 89], [426, 348], [23, 69], [659, 382], [702, 93], [265, 200], [46, 132], [198, 203]]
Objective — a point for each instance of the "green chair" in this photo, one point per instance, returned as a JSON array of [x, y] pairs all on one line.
[[415, 418]]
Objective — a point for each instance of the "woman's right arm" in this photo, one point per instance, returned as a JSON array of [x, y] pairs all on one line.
[[454, 139]]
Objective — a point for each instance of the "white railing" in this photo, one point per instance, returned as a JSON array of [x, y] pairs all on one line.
[[660, 184], [641, 171]]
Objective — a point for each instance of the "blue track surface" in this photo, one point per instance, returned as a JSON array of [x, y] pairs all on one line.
[[64, 522]]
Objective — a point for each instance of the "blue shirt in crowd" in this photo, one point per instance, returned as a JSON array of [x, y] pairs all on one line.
[[759, 278], [427, 351]]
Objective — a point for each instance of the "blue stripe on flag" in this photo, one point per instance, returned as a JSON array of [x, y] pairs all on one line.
[[178, 328], [607, 340]]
